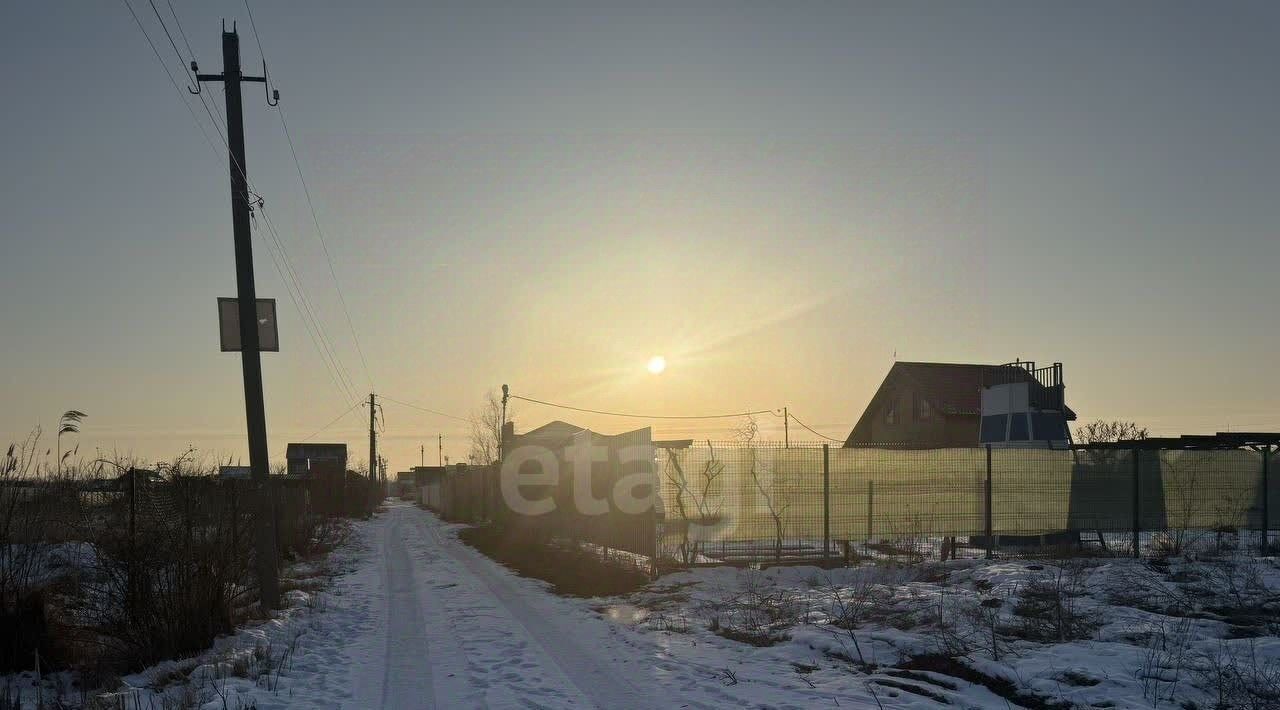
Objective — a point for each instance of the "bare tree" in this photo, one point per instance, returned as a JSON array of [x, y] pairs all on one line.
[[699, 493], [746, 436], [486, 430], [1101, 431]]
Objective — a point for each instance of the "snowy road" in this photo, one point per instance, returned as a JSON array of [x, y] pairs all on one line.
[[413, 618], [420, 620], [449, 628]]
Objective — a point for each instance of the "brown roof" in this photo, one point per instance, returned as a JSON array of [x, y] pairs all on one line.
[[951, 388]]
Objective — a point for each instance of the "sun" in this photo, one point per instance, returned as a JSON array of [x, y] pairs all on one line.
[[657, 364]]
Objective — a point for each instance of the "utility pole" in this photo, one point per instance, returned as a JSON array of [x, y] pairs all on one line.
[[422, 454], [440, 449], [502, 430], [250, 359], [786, 428], [373, 441]]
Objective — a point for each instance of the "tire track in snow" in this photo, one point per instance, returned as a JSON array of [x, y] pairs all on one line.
[[506, 665], [604, 684], [407, 674]]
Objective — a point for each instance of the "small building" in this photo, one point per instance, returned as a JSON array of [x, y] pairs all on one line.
[[304, 458], [408, 481], [938, 405]]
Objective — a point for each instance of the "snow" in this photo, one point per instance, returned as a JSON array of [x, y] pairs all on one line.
[[1124, 656], [406, 616]]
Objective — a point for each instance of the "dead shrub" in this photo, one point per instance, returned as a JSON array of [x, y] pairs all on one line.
[[1048, 607], [1238, 677], [760, 613]]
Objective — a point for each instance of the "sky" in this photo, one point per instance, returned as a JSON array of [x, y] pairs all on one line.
[[780, 198]]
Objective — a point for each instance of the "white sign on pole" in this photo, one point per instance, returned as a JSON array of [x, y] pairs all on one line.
[[229, 325]]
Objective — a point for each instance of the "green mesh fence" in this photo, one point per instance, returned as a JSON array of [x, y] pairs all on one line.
[[732, 502], [727, 502]]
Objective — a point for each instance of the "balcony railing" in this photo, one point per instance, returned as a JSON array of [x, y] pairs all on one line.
[[1046, 390]]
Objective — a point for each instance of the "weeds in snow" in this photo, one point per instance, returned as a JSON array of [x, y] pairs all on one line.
[[1050, 605]]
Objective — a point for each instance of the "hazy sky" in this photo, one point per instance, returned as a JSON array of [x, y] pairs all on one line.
[[776, 197]]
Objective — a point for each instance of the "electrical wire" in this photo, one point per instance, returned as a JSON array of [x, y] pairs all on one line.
[[185, 68], [146, 35], [191, 56], [426, 409], [335, 421], [643, 416], [258, 38], [178, 23], [306, 191], [806, 426], [344, 390], [288, 273], [306, 301], [165, 27], [342, 300]]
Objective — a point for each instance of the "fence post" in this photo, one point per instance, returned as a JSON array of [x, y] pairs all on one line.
[[871, 513], [1137, 507], [235, 520], [826, 502], [986, 505], [133, 536], [1266, 500]]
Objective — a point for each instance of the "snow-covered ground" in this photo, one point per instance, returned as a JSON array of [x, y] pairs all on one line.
[[406, 616], [1083, 633]]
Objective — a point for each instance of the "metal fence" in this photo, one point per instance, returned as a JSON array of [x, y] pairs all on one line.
[[730, 503], [734, 503], [467, 494], [163, 563]]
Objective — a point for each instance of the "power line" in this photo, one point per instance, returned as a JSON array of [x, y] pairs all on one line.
[[191, 55], [335, 420], [147, 36], [306, 191], [222, 136], [806, 426], [425, 409], [644, 416], [178, 24], [257, 38], [306, 301], [342, 300], [289, 273], [217, 126], [165, 27], [312, 327]]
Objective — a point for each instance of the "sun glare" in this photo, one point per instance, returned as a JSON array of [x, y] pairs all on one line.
[[657, 364]]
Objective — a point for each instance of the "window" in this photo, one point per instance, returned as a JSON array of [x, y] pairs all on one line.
[[891, 413], [1018, 429], [923, 411], [993, 428], [1048, 426]]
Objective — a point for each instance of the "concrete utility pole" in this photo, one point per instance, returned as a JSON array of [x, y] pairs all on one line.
[[373, 440], [786, 428], [439, 449], [250, 358]]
